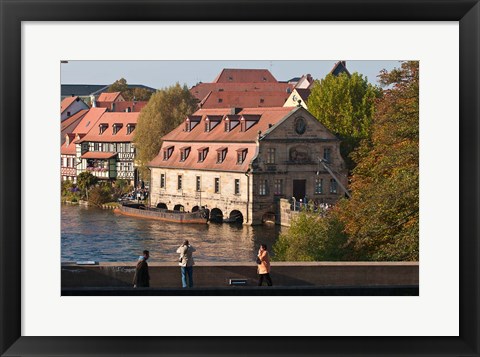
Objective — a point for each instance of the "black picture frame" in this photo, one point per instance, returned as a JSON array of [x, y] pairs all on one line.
[[13, 12]]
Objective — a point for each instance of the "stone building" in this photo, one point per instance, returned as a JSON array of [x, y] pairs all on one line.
[[238, 163]]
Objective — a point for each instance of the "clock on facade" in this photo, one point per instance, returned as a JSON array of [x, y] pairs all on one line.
[[300, 126]]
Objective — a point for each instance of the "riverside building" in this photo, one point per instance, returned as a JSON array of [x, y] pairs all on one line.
[[238, 163]]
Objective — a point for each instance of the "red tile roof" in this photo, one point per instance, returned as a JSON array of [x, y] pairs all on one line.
[[71, 120], [108, 97], [210, 162], [70, 149], [201, 90], [89, 120], [98, 155], [111, 118], [244, 99], [241, 75], [218, 134], [122, 106], [66, 102]]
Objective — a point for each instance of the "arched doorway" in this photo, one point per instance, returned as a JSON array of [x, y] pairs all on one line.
[[162, 205], [268, 218], [178, 207], [195, 208], [216, 215], [235, 217]]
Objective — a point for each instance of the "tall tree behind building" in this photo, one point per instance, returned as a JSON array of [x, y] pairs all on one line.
[[166, 109], [382, 217], [345, 105], [120, 85]]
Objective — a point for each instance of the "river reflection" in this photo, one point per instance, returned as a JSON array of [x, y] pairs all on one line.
[[94, 234]]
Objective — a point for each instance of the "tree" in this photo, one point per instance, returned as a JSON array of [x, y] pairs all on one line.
[[312, 237], [129, 94], [382, 217], [345, 105], [85, 180], [166, 109]]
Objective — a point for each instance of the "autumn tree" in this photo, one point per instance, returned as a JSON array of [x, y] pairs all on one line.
[[129, 94], [345, 104], [382, 217], [166, 109]]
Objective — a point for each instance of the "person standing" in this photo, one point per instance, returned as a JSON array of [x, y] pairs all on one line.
[[263, 265], [186, 263], [141, 279]]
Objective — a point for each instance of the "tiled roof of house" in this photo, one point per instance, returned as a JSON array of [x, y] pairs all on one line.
[[304, 93], [68, 102], [201, 90], [122, 119], [122, 106], [71, 120], [98, 155], [241, 75], [244, 99], [268, 116], [68, 147], [89, 120], [108, 97], [210, 162]]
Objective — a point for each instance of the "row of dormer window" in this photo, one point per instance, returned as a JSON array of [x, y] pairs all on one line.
[[230, 122], [203, 152], [116, 128]]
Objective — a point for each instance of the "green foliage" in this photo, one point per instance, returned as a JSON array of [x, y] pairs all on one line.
[[382, 217], [129, 94], [85, 180], [166, 109], [100, 194], [313, 238], [345, 105]]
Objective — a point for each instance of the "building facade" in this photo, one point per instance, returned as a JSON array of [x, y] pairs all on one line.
[[240, 162]]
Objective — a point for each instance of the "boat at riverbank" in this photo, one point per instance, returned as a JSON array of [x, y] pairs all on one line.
[[143, 211]]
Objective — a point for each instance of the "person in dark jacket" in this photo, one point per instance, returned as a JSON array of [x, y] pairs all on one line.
[[141, 279]]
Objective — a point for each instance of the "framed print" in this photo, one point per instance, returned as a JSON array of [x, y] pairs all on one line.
[[441, 318]]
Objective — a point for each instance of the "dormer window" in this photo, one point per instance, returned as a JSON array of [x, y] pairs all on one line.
[[211, 121], [241, 155], [202, 154], [221, 154], [184, 152], [116, 128], [231, 121], [207, 125], [103, 127], [192, 121], [130, 128], [167, 152]]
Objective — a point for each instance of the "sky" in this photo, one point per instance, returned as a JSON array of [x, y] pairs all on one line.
[[161, 74]]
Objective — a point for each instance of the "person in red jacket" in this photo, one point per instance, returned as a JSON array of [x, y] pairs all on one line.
[[263, 267]]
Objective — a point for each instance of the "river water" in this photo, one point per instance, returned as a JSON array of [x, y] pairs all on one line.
[[90, 233]]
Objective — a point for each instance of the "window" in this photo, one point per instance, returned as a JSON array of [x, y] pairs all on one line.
[[116, 128], [167, 152], [184, 152], [237, 186], [270, 156], [221, 155], [130, 128], [64, 164], [333, 186], [179, 182], [278, 187], [318, 186], [95, 146], [162, 180], [241, 155], [100, 146], [220, 100], [202, 154], [327, 154], [68, 114], [198, 185], [103, 127], [263, 188], [217, 185]]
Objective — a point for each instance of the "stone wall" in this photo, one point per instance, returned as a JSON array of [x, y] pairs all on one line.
[[288, 274]]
